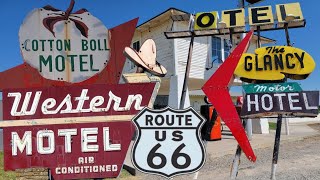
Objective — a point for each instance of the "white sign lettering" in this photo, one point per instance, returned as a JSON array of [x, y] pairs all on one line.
[[51, 106], [88, 141]]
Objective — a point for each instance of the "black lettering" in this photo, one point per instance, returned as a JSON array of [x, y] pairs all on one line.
[[188, 120], [177, 135], [278, 61], [159, 122], [149, 119], [163, 137], [267, 62], [257, 64], [289, 55], [170, 122], [284, 13], [179, 119], [247, 65], [269, 49], [276, 50], [256, 15], [300, 59], [233, 17], [210, 22]]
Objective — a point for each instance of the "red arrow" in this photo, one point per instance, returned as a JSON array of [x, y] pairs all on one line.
[[216, 89], [26, 76]]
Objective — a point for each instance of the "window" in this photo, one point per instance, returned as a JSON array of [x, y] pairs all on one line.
[[136, 45], [227, 48], [216, 50]]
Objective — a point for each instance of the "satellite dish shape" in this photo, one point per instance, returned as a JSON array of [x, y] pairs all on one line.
[[145, 59]]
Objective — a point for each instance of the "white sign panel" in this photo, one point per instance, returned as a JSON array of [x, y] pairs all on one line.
[[64, 45], [168, 142]]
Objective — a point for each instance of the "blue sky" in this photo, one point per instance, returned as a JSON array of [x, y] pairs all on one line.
[[115, 12]]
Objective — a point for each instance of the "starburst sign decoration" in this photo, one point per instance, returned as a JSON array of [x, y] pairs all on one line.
[[216, 89]]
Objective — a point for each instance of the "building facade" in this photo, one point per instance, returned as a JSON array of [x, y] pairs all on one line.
[[209, 52]]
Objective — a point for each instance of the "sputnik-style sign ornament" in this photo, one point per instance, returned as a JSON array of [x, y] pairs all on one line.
[[216, 89]]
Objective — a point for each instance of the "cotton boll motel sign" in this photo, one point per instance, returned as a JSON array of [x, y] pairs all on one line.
[[64, 45]]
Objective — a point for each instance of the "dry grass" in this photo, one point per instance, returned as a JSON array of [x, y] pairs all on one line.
[[5, 174]]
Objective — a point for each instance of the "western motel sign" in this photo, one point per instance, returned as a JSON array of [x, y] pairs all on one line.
[[63, 107]]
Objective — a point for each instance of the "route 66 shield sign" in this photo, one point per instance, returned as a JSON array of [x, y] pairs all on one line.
[[168, 142]]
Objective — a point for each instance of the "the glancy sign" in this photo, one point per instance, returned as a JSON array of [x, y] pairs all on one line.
[[68, 46], [303, 103], [275, 63]]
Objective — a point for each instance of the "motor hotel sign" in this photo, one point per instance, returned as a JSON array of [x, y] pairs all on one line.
[[304, 103]]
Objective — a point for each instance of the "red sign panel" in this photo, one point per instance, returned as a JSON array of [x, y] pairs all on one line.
[[71, 151], [76, 101], [88, 150]]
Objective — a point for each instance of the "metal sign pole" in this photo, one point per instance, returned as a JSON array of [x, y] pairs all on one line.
[[236, 160], [276, 148], [279, 123], [186, 76]]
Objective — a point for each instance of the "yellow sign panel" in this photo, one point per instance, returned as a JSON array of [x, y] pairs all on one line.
[[274, 63], [206, 20], [260, 15], [233, 18], [285, 9]]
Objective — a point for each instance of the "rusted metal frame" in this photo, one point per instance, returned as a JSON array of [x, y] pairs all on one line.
[[235, 32]]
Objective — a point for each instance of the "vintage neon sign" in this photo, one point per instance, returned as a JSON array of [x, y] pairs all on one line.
[[258, 16], [275, 63]]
